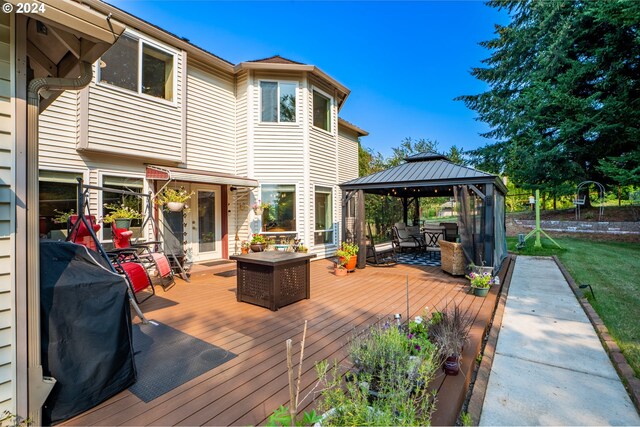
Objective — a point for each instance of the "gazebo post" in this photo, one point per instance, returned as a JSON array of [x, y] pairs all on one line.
[[361, 239], [405, 209], [416, 213]]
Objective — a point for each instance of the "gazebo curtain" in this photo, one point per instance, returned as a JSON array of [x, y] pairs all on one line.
[[470, 224], [500, 238]]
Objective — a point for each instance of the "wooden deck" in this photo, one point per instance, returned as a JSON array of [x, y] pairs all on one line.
[[246, 389]]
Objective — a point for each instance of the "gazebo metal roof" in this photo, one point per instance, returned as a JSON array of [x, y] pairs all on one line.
[[423, 175]]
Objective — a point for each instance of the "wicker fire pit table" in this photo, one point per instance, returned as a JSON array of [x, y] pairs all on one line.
[[273, 279]]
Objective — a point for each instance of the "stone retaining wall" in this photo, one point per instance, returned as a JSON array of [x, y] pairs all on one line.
[[583, 226]]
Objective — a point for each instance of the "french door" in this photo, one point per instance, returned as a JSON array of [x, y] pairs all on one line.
[[206, 235]]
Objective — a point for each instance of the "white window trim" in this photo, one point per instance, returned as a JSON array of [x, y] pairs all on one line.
[[333, 217], [331, 104], [259, 218], [101, 174], [145, 40], [278, 122]]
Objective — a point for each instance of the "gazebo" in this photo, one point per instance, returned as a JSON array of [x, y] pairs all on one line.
[[480, 196]]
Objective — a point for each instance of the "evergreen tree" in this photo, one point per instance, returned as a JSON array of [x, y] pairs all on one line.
[[564, 92]]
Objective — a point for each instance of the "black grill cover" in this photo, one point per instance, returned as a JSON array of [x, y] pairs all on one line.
[[86, 329]]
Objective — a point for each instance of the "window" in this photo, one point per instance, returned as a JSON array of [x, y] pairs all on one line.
[[58, 196], [321, 111], [280, 215], [147, 70], [278, 102], [132, 201], [324, 216]]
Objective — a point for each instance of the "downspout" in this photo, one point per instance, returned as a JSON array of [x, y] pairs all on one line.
[[39, 386]]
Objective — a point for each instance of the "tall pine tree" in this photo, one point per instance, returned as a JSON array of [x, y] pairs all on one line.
[[564, 97]]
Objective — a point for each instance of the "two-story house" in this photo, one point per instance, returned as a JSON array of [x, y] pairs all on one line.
[[264, 131]]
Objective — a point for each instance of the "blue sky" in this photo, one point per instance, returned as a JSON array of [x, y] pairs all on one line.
[[403, 61]]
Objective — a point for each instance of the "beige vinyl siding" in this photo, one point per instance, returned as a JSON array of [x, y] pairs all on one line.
[[238, 218], [7, 244], [242, 86], [58, 132], [128, 124], [323, 165], [277, 147], [210, 121], [347, 155]]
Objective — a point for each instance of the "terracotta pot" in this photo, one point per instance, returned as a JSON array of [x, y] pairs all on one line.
[[244, 251], [340, 271], [351, 265], [257, 247], [451, 365]]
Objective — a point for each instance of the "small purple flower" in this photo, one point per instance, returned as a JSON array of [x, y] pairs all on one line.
[[410, 336], [417, 347]]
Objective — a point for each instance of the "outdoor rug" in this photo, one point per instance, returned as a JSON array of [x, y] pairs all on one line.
[[167, 358], [430, 260]]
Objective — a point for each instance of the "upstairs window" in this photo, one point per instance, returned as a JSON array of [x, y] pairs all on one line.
[[321, 111], [278, 102], [135, 65]]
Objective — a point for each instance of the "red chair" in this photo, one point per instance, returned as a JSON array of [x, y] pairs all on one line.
[[152, 259], [81, 234], [127, 264]]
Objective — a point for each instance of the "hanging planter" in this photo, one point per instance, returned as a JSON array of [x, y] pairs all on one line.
[[175, 206], [174, 199], [258, 211]]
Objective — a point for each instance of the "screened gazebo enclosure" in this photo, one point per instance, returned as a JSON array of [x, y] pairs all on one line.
[[480, 197]]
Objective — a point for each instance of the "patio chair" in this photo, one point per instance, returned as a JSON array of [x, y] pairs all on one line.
[[381, 253], [130, 266], [402, 241], [155, 261], [126, 263], [450, 231], [81, 234], [432, 238]]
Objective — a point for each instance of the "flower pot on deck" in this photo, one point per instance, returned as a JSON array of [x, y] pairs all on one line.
[[351, 264], [340, 271], [480, 292], [451, 365]]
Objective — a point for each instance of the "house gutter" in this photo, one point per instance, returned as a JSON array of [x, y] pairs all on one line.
[[39, 385]]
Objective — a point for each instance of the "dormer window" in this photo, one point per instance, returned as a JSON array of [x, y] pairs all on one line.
[[321, 111], [278, 102]]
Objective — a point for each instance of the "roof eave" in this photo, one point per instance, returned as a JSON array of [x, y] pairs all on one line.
[[160, 34], [269, 66], [428, 183], [351, 126]]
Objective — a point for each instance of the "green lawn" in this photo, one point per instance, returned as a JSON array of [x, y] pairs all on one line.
[[612, 269]]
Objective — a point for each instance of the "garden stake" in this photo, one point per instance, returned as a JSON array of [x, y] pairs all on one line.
[[407, 297], [304, 336], [292, 406]]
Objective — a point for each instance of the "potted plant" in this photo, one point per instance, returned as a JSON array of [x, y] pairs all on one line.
[[302, 249], [339, 268], [258, 243], [121, 215], [244, 247], [347, 255], [173, 199], [480, 283], [449, 332]]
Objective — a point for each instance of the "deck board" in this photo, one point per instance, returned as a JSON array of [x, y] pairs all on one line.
[[246, 389]]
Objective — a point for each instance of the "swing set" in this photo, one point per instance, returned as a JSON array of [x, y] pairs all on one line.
[[139, 262]]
